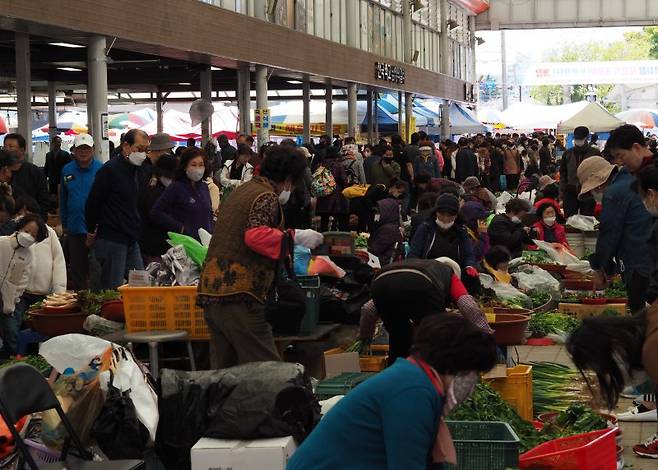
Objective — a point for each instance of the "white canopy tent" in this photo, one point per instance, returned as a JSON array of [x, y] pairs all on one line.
[[565, 118]]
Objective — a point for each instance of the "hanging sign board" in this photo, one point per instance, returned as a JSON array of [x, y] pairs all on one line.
[[262, 118], [390, 73]]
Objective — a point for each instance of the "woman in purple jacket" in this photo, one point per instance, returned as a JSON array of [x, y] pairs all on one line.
[[185, 205]]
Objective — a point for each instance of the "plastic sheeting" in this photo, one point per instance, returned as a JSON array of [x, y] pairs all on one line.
[[565, 118]]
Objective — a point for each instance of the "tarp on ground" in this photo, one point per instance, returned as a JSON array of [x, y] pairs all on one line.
[[565, 118]]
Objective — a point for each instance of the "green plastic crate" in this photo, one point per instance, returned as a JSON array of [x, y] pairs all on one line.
[[341, 384], [484, 445], [311, 287]]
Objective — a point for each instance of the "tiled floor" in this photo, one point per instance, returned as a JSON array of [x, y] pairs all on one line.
[[633, 433]]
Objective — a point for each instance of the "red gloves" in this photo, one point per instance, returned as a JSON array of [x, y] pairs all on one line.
[[472, 272]]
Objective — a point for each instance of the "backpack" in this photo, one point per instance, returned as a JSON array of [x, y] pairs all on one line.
[[352, 177], [323, 183]]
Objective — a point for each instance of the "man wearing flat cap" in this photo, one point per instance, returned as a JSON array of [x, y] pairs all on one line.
[[569, 185]]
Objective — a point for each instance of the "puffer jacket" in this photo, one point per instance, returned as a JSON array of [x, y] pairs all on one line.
[[387, 235], [15, 272]]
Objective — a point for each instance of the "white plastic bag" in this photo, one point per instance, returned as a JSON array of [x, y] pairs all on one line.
[[561, 256], [504, 291], [205, 237], [537, 279], [503, 199], [81, 354], [586, 223]]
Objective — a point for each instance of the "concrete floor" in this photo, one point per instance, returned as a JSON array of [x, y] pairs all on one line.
[[633, 433]]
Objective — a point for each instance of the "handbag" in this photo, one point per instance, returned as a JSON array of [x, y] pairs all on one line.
[[117, 430], [356, 190], [286, 305]]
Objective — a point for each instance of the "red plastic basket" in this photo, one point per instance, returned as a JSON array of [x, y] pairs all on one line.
[[591, 451]]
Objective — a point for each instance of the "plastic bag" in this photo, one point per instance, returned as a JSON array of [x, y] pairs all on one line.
[[186, 272], [557, 252], [302, 260], [535, 278], [99, 326], [503, 199], [205, 237], [81, 400], [324, 266], [193, 248], [586, 223], [89, 358], [504, 291]]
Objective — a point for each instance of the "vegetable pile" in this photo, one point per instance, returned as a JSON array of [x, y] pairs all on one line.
[[38, 362], [555, 387], [537, 257], [577, 419], [487, 405], [361, 240], [91, 302], [544, 324], [616, 290], [539, 298]]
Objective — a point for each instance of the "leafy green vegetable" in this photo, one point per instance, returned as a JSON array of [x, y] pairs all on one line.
[[539, 298], [554, 387], [577, 419], [38, 362], [487, 405], [616, 290], [537, 257], [91, 302], [543, 324]]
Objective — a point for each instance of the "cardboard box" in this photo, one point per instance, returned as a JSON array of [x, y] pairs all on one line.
[[227, 454], [583, 311], [336, 362]]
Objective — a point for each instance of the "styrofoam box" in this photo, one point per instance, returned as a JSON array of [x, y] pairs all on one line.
[[226, 454]]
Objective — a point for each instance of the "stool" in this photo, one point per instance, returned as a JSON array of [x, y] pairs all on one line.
[[153, 338]]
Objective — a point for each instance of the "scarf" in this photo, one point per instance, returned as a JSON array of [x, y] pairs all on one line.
[[444, 448]]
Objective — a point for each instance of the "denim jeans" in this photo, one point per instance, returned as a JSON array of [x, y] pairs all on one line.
[[112, 261], [11, 324]]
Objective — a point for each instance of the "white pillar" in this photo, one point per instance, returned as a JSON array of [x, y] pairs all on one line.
[[263, 135], [97, 90], [406, 30], [24, 90], [158, 112], [244, 97], [205, 78], [503, 59], [445, 120], [471, 28], [370, 117], [306, 112], [408, 114], [352, 23], [328, 102], [352, 125], [52, 110], [444, 39]]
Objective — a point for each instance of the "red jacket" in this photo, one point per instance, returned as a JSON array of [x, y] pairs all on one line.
[[560, 233]]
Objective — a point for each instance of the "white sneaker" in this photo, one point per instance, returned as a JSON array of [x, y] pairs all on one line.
[[639, 413]]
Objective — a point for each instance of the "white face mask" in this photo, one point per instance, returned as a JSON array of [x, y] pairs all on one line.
[[195, 174], [25, 239], [444, 225], [550, 221], [515, 219], [165, 181], [137, 158], [284, 196]]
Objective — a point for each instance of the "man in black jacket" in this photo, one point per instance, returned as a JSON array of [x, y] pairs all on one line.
[[56, 159], [226, 150], [112, 216], [508, 230], [27, 179], [467, 162], [569, 185]]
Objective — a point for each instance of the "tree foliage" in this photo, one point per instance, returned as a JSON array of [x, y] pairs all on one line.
[[640, 45]]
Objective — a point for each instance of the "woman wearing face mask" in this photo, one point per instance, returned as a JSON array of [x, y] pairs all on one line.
[[236, 172], [508, 230], [185, 206], [621, 351], [153, 239], [398, 415], [445, 235], [647, 187], [547, 228], [15, 273]]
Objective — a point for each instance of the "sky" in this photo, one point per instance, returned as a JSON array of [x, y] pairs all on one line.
[[535, 45]]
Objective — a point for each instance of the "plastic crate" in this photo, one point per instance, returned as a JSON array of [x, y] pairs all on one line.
[[311, 286], [41, 454], [595, 450], [339, 243], [484, 445], [373, 363], [341, 384], [516, 389], [164, 308]]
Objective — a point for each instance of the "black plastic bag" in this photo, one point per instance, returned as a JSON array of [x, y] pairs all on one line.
[[251, 401], [117, 430], [285, 308]]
